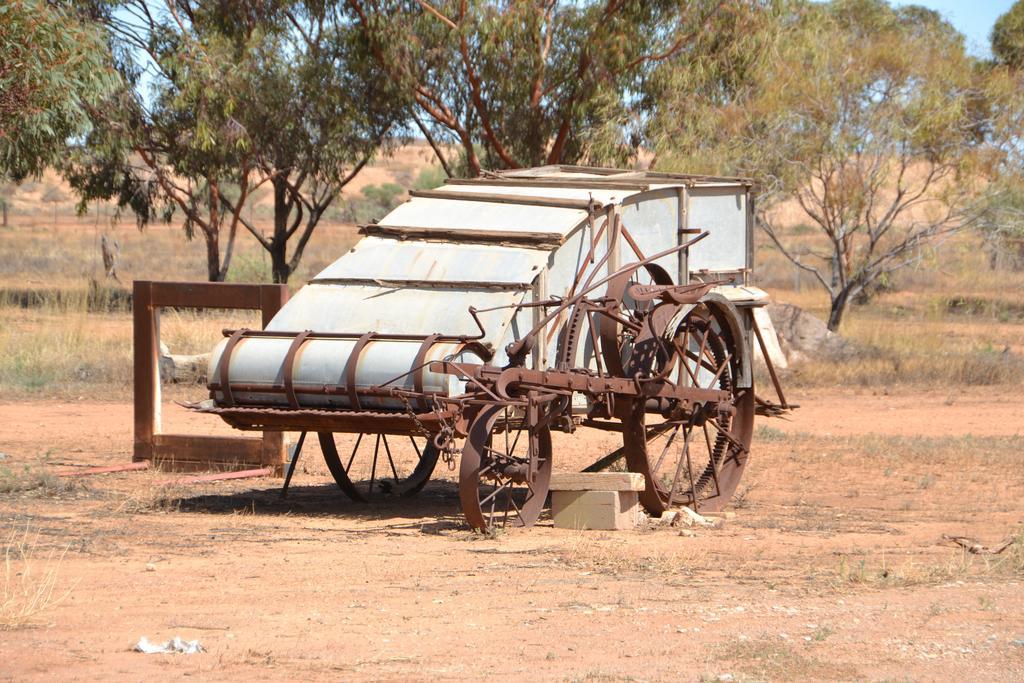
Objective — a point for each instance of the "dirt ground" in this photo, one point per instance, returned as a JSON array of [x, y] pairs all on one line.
[[833, 568]]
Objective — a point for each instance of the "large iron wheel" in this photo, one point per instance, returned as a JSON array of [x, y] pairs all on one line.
[[690, 455], [363, 478], [496, 487]]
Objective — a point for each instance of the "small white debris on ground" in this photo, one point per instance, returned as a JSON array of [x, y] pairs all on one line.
[[174, 646]]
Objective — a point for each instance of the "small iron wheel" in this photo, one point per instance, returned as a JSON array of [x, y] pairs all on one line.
[[364, 479], [496, 487], [692, 455], [619, 333]]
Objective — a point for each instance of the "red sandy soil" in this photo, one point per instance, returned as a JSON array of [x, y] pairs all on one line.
[[833, 568]]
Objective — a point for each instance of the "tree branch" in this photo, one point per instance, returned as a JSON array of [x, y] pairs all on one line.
[[433, 145], [426, 6]]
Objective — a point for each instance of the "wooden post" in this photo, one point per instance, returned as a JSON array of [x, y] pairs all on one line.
[[188, 451], [146, 369]]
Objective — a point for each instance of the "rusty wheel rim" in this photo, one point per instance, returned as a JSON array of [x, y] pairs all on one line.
[[694, 457], [497, 444], [387, 478]]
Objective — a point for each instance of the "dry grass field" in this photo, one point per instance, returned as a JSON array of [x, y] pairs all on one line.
[[834, 567]]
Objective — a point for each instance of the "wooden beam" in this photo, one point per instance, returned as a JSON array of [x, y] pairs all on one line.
[[206, 295], [238, 449]]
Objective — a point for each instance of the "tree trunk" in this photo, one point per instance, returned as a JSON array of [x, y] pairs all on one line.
[[213, 273], [5, 213], [278, 262], [225, 265], [279, 242], [839, 302]]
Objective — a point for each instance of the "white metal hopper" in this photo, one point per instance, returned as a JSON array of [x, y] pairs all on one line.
[[489, 243]]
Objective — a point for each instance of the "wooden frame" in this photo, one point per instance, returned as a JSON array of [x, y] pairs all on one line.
[[187, 452]]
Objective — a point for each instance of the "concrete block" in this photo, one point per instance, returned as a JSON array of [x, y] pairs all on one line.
[[597, 481], [595, 509]]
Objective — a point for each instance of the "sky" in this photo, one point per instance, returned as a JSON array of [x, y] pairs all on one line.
[[973, 18]]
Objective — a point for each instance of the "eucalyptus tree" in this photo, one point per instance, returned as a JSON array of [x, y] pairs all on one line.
[[1002, 224], [53, 67], [529, 82], [224, 99], [865, 119], [1008, 36]]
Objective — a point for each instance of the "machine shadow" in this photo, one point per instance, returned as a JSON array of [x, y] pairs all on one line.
[[434, 509]]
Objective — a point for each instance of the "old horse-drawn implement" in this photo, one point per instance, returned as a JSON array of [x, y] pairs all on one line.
[[489, 313]]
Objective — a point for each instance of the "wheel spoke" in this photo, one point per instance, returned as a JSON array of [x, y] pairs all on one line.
[[373, 468], [701, 362], [703, 345], [727, 435], [497, 489], [391, 461], [721, 369], [664, 451], [689, 471], [515, 442], [348, 468], [519, 512]]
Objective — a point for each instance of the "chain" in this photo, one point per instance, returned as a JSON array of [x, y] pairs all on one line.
[[444, 438]]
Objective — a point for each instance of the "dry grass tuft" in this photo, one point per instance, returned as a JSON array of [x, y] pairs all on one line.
[[30, 581], [607, 554], [880, 573], [36, 479], [152, 498], [27, 478], [773, 659], [1011, 560]]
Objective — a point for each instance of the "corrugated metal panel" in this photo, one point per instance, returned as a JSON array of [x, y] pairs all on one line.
[[375, 258], [392, 310], [597, 193], [462, 215]]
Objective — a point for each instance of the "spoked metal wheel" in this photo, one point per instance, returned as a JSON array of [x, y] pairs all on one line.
[[394, 466], [693, 455], [496, 485]]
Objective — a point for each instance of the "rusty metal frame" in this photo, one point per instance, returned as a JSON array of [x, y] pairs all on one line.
[[191, 452]]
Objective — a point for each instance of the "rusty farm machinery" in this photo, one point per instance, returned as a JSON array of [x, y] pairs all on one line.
[[484, 315]]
